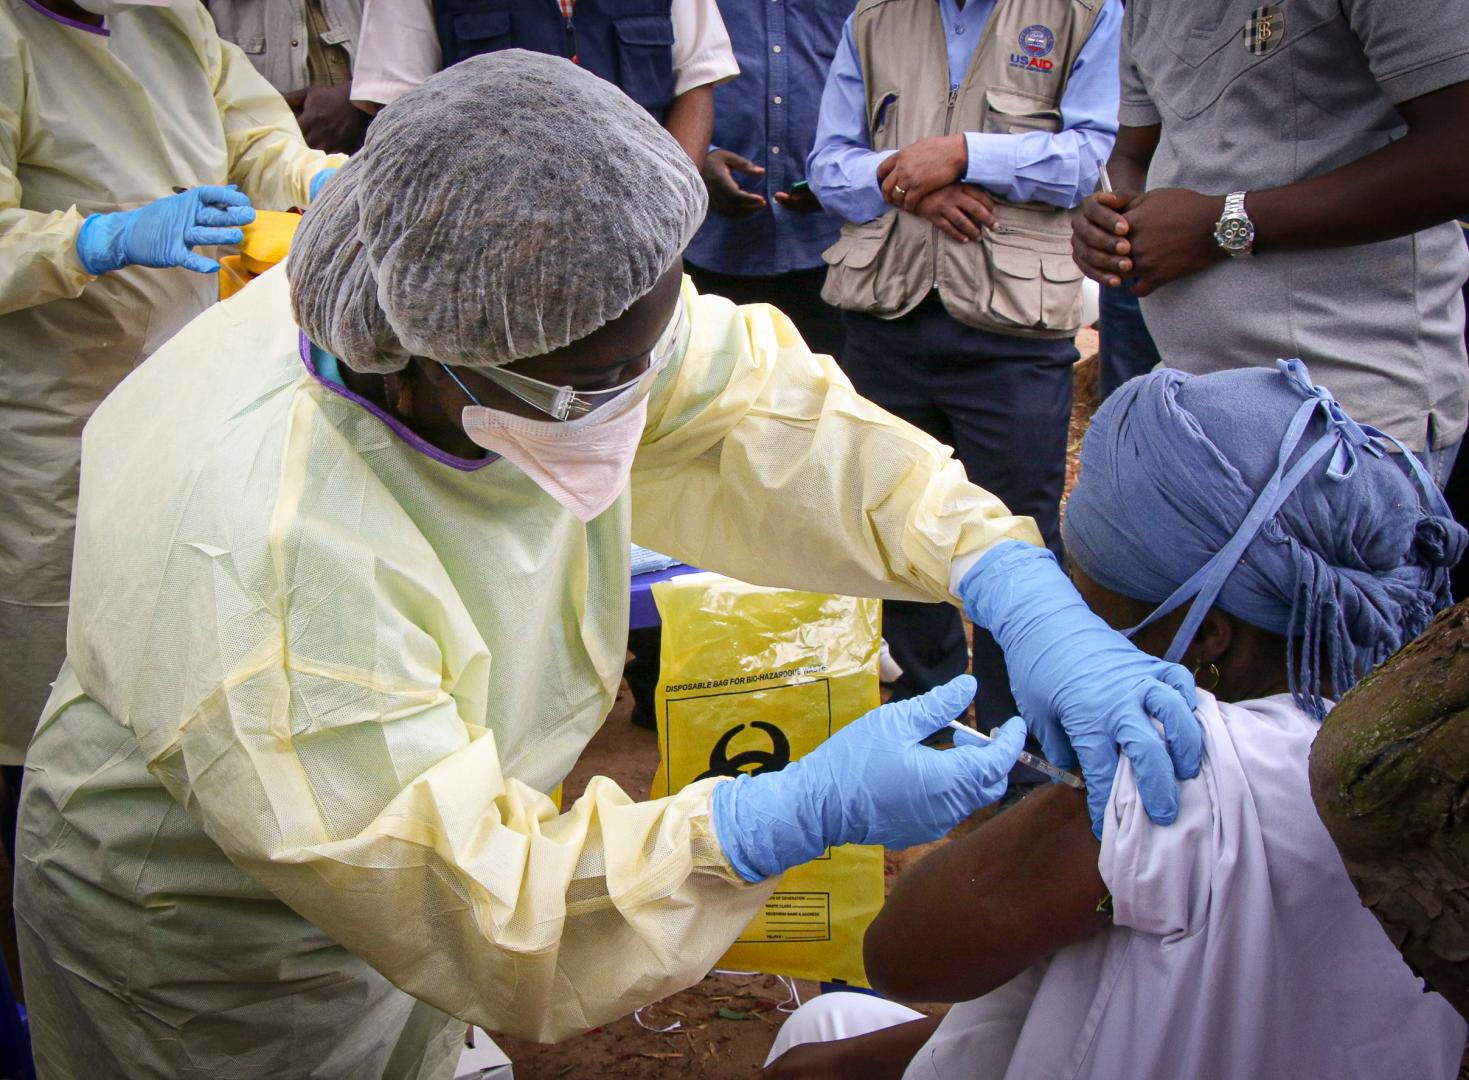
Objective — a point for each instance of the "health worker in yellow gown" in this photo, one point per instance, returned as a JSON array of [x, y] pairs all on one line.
[[351, 594], [106, 109]]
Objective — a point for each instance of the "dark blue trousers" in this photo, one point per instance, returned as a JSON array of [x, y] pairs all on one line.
[[1127, 349], [1004, 404]]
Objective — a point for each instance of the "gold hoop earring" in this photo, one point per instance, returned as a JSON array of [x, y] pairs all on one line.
[[1213, 677]]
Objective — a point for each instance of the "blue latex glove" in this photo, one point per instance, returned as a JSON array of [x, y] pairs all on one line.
[[316, 181], [870, 783], [161, 233], [1082, 686]]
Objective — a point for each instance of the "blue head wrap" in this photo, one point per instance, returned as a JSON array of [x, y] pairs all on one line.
[[1252, 490]]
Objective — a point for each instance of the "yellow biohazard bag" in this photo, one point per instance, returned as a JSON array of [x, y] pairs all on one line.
[[751, 679]]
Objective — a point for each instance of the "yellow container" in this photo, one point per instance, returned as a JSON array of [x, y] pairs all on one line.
[[232, 275], [268, 239]]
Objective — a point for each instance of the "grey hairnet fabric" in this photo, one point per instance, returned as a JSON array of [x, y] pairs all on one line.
[[506, 207]]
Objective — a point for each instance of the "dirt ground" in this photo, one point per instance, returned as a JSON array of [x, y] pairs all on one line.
[[725, 1024]]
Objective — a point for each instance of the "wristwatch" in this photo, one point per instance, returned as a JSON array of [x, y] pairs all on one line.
[[1235, 232]]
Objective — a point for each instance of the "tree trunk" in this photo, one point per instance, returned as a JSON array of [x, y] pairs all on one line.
[[1390, 776]]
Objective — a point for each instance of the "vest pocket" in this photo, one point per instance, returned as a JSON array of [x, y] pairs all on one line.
[[882, 121], [851, 282], [1009, 113], [645, 59], [1061, 292], [1033, 285]]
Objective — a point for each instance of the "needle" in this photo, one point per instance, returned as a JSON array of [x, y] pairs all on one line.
[[1039, 764]]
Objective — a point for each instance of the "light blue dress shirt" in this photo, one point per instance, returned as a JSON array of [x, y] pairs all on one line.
[[1035, 166]]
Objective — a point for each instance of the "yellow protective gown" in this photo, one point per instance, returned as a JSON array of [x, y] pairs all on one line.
[[90, 122], [318, 678]]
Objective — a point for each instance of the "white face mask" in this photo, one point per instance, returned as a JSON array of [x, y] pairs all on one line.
[[583, 464], [112, 7]]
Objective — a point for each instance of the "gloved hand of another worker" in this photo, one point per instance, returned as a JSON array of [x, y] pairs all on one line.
[[319, 181], [873, 782], [1083, 688], [162, 233]]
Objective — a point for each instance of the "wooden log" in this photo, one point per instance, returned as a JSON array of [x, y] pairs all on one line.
[[1390, 778]]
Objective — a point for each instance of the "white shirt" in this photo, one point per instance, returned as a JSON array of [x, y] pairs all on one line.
[[399, 47], [1239, 949]]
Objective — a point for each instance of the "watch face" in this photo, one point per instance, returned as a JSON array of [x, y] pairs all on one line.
[[1234, 233]]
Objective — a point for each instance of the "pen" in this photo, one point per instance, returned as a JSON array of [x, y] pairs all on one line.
[[1039, 764], [1104, 177]]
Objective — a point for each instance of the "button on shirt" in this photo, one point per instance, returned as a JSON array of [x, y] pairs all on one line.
[[768, 115], [1035, 166]]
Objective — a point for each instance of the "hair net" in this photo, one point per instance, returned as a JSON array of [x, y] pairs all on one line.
[[504, 208], [1252, 490]]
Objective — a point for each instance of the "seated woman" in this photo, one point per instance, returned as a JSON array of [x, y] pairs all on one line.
[[1253, 532]]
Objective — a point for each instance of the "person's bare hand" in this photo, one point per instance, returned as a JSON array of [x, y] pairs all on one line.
[[1099, 236], [922, 167], [726, 197], [803, 201], [1171, 233], [329, 121], [961, 211]]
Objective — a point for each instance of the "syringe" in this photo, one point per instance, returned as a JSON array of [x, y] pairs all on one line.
[[1039, 764]]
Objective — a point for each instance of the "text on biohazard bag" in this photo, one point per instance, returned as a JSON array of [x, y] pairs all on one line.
[[751, 679]]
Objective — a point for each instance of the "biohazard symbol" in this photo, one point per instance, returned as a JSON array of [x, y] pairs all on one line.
[[753, 762]]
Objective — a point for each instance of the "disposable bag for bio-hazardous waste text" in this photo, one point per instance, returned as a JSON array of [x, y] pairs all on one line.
[[752, 678]]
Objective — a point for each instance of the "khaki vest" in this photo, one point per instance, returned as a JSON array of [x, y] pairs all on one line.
[[1019, 278]]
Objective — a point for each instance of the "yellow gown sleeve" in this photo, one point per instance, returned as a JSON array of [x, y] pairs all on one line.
[[268, 158], [760, 461], [466, 889], [38, 258]]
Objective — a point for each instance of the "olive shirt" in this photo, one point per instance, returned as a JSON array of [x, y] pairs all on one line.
[[293, 43], [1253, 97]]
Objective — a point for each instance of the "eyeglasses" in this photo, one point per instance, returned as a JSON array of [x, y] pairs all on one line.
[[569, 403]]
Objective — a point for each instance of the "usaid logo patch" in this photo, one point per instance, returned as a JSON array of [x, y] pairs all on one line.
[[1036, 43]]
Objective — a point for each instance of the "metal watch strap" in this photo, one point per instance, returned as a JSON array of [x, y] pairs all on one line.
[[1234, 232]]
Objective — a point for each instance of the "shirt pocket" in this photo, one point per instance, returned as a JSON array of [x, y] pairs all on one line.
[[645, 58], [1214, 58], [341, 39], [482, 31], [823, 31]]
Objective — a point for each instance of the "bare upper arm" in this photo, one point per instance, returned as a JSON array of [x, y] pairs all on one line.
[[984, 907]]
